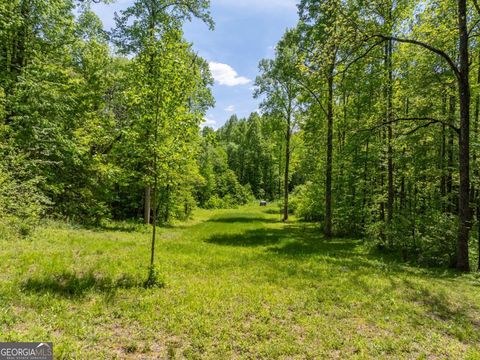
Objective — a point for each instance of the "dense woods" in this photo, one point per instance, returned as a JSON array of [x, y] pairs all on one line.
[[368, 125]]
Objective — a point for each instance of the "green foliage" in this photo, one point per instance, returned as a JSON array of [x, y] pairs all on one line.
[[394, 110], [145, 20], [306, 203], [21, 202], [428, 239], [253, 151], [220, 187], [83, 117], [235, 164]]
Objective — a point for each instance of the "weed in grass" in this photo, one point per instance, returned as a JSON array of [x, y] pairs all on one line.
[[153, 279], [131, 348]]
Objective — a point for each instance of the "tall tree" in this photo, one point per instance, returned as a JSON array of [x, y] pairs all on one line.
[[143, 23], [151, 30], [278, 83], [323, 38]]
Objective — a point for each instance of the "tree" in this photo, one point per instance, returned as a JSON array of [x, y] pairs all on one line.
[[172, 102], [151, 19], [325, 40], [278, 84]]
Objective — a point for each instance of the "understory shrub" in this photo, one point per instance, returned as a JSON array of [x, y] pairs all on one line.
[[428, 239], [228, 193], [21, 204], [305, 202]]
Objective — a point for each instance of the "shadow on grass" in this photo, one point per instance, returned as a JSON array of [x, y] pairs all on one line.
[[71, 285], [300, 251], [273, 211], [130, 227], [260, 237], [439, 307], [298, 241], [351, 253], [304, 240], [241, 219], [292, 240]]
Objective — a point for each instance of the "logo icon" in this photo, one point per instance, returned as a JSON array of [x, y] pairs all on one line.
[[26, 351]]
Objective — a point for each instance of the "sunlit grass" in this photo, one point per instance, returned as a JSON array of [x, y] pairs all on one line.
[[238, 284]]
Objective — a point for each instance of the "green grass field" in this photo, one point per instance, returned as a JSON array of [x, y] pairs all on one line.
[[239, 284]]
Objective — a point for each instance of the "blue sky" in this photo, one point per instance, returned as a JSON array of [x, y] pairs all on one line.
[[245, 32]]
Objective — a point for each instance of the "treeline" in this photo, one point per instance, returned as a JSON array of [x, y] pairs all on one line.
[[382, 95], [248, 150]]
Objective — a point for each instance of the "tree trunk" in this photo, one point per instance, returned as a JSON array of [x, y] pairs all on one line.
[[390, 191], [449, 178], [478, 228], [443, 152], [365, 179], [280, 163], [287, 168], [382, 187], [147, 205], [464, 141], [476, 170], [154, 222], [154, 192], [328, 180], [403, 194], [166, 217]]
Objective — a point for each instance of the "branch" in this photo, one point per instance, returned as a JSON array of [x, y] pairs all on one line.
[[419, 127], [315, 96], [477, 6], [473, 27], [360, 56], [429, 119], [439, 52]]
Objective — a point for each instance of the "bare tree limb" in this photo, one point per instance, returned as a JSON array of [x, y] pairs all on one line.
[[439, 52], [419, 127], [360, 57], [315, 96], [473, 28], [429, 119]]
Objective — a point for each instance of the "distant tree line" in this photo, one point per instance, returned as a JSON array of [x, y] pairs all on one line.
[[253, 153]]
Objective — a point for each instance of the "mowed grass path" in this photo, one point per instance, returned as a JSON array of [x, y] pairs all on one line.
[[239, 284]]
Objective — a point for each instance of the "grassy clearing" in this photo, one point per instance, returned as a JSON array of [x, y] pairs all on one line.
[[240, 284]]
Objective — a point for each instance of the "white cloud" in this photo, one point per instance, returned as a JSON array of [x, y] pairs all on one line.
[[209, 121], [230, 108], [225, 75]]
